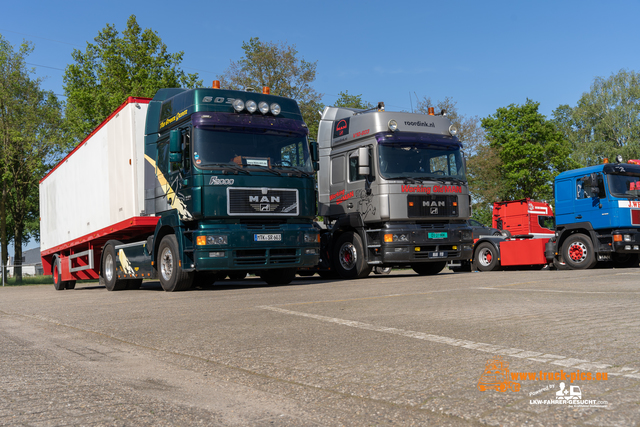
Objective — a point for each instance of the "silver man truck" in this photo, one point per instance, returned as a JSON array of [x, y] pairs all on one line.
[[392, 192]]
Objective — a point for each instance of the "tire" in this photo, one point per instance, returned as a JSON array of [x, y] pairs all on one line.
[[172, 277], [486, 257], [109, 272], [350, 262], [58, 284], [577, 252], [429, 268], [70, 284], [505, 233], [381, 270], [282, 276], [624, 260], [306, 273]]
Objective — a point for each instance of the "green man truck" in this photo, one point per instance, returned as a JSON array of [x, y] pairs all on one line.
[[392, 191], [183, 187]]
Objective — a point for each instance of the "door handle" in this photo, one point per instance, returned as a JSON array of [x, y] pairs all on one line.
[[350, 205], [578, 216]]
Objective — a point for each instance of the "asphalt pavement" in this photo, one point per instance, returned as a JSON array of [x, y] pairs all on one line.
[[495, 348]]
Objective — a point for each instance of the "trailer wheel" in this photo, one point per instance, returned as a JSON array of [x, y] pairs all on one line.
[[70, 284], [282, 276], [486, 257], [108, 272], [350, 257], [577, 252], [429, 268], [58, 284], [172, 277]]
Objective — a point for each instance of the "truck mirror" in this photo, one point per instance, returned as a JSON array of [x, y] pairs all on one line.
[[363, 161], [174, 141], [175, 157], [313, 148]]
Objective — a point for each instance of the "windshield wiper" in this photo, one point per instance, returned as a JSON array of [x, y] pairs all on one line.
[[444, 179], [409, 180], [228, 166], [266, 169]]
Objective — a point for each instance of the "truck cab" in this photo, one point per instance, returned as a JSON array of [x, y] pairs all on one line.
[[598, 215], [392, 190]]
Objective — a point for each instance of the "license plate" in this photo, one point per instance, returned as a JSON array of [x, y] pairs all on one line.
[[441, 254], [438, 235], [267, 237]]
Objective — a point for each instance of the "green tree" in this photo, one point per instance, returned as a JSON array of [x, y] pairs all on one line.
[[135, 63], [30, 123], [531, 149], [482, 160], [347, 100], [606, 120], [277, 66]]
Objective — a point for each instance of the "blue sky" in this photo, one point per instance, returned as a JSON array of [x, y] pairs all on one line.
[[485, 55]]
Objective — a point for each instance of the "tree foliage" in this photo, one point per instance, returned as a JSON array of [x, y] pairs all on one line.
[[606, 120], [346, 100], [135, 63], [30, 125], [277, 66], [532, 151]]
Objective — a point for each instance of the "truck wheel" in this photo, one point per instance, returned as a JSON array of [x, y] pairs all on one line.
[[624, 260], [429, 268], [577, 252], [282, 276], [70, 284], [350, 257], [381, 270], [172, 278], [486, 257], [58, 284], [108, 272]]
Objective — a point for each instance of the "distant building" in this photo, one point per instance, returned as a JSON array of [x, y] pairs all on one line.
[[31, 263]]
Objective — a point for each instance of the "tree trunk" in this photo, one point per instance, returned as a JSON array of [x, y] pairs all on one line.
[[17, 254], [3, 231]]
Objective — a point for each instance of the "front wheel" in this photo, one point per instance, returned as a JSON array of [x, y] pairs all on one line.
[[429, 268], [172, 277], [577, 252], [486, 257], [350, 262]]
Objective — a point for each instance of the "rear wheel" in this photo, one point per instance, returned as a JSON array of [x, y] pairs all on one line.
[[486, 257], [428, 268], [350, 262], [577, 252], [624, 260], [172, 277], [58, 284], [108, 272], [282, 276]]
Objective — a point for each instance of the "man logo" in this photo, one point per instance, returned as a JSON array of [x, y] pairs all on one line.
[[264, 199], [434, 211], [265, 207]]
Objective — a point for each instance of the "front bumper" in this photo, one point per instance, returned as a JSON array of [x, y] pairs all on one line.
[[416, 243]]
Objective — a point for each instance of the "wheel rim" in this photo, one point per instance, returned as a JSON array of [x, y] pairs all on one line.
[[485, 257], [108, 268], [577, 251], [166, 264], [348, 256]]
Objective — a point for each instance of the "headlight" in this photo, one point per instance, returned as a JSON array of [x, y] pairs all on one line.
[[238, 105], [389, 238], [627, 237], [263, 107], [311, 237], [453, 130], [275, 109], [251, 106], [212, 240], [393, 125]]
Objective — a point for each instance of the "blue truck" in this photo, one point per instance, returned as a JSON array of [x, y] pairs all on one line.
[[597, 216]]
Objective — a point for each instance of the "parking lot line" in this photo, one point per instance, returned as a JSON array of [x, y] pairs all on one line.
[[472, 345]]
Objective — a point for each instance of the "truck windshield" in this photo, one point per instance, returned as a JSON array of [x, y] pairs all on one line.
[[258, 149], [420, 161], [624, 186]]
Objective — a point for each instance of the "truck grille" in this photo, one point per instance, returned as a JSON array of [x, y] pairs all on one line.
[[262, 201], [262, 257], [431, 206]]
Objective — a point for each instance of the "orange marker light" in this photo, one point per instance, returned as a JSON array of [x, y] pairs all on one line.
[[410, 203], [201, 240], [617, 237], [388, 238], [216, 84], [266, 90], [431, 111], [455, 203]]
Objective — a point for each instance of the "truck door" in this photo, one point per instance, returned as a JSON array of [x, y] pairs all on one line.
[[359, 199], [337, 184], [590, 205], [179, 178]]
